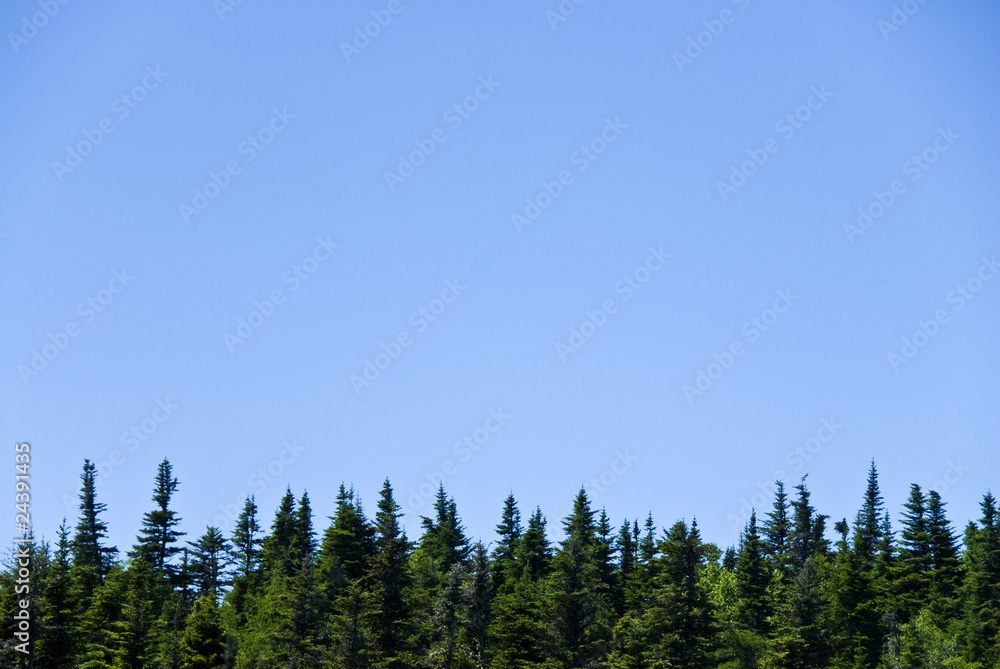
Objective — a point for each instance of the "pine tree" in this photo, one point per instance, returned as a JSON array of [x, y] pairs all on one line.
[[203, 645], [753, 579], [981, 586], [867, 527], [945, 573], [304, 540], [627, 559], [280, 548], [246, 553], [912, 578], [208, 564], [509, 530], [55, 646], [536, 553], [444, 538], [477, 592], [158, 534], [445, 618], [803, 539], [519, 633], [88, 554], [388, 578], [776, 529], [348, 543]]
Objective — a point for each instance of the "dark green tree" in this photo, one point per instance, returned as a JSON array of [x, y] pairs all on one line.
[[503, 565], [387, 616], [208, 564], [158, 535], [203, 645]]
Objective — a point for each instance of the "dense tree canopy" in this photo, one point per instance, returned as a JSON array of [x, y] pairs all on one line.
[[360, 594]]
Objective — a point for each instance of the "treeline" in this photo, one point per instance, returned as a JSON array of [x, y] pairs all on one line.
[[360, 594]]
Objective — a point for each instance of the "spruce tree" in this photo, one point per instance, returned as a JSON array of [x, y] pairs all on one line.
[[55, 644], [867, 525], [203, 645], [477, 593], [158, 535], [348, 543], [246, 552], [509, 530], [444, 537], [388, 578], [777, 528], [945, 573], [753, 578], [208, 566], [912, 579], [536, 553]]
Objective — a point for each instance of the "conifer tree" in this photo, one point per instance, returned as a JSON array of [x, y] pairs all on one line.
[[477, 593], [803, 539], [88, 553], [912, 578], [158, 533], [280, 548], [246, 544], [208, 564], [203, 645], [509, 532], [388, 578], [777, 528], [981, 586], [536, 553], [55, 644], [753, 578], [945, 574], [444, 537], [867, 525], [348, 543]]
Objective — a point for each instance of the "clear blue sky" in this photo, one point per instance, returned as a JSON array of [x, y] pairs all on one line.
[[140, 105]]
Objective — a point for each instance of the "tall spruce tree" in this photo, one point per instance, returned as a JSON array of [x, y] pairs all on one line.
[[158, 536], [536, 553], [388, 578], [867, 525], [777, 528], [503, 564]]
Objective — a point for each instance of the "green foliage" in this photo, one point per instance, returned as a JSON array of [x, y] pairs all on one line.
[[364, 597]]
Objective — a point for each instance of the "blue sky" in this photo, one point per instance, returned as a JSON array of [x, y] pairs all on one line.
[[615, 249]]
